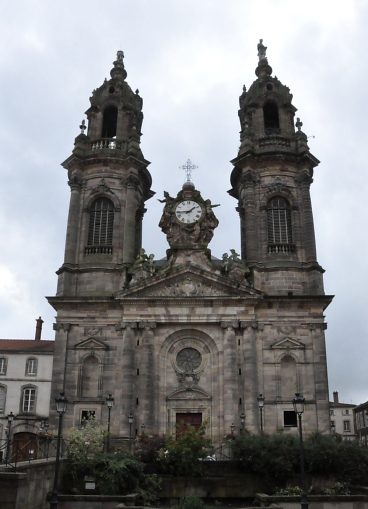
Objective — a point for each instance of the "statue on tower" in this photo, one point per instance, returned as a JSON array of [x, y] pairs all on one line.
[[261, 50]]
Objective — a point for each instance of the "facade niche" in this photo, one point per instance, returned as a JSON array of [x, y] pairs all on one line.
[[271, 118], [109, 122], [89, 385], [288, 378]]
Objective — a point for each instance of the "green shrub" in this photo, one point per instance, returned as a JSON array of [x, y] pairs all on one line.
[[183, 455], [191, 503], [274, 457]]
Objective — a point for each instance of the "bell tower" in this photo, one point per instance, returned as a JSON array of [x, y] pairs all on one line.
[[109, 184], [271, 181]]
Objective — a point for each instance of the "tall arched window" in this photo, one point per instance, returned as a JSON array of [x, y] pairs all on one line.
[[28, 400], [271, 118], [109, 123], [100, 229], [279, 226], [90, 376]]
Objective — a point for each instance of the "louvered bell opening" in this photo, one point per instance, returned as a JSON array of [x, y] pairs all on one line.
[[279, 226], [100, 228]]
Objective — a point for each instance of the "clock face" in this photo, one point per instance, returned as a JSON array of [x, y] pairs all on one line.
[[188, 211]]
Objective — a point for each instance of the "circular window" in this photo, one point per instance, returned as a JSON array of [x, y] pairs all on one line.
[[111, 90], [269, 86], [189, 359]]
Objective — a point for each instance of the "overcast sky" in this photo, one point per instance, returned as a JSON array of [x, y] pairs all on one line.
[[189, 59]]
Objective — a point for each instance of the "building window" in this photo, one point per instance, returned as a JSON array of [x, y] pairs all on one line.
[[347, 426], [332, 412], [28, 400], [279, 226], [2, 398], [290, 419], [87, 415], [100, 227], [3, 365], [31, 366], [332, 424], [271, 118], [346, 411], [109, 123]]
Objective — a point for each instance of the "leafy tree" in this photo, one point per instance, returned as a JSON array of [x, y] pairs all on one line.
[[191, 503]]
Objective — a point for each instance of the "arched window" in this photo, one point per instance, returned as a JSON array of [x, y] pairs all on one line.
[[90, 376], [31, 366], [28, 400], [2, 398], [100, 227], [110, 118], [271, 118], [279, 226]]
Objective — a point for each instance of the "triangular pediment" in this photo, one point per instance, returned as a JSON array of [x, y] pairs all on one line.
[[288, 344], [91, 344], [189, 282], [188, 393]]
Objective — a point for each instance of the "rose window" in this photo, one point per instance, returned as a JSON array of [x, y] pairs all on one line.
[[188, 359]]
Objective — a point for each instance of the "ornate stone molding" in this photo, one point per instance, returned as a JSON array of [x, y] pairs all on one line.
[[230, 324], [62, 326], [147, 325]]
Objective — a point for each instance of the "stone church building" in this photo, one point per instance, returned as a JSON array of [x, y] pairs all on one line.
[[191, 338]]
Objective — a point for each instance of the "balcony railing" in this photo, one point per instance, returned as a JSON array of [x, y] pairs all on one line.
[[281, 248], [95, 250], [107, 144]]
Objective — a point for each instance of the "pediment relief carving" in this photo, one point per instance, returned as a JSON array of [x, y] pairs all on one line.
[[91, 344], [188, 393], [288, 344], [190, 284]]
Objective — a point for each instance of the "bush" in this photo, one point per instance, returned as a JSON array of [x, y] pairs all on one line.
[[273, 457], [183, 455], [191, 503], [147, 447]]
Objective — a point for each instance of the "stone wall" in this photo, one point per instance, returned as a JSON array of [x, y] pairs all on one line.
[[27, 488]]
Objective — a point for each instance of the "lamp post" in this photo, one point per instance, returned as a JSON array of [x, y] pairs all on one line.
[[10, 418], [110, 404], [232, 428], [333, 428], [260, 400], [298, 404], [61, 403], [130, 420], [242, 422]]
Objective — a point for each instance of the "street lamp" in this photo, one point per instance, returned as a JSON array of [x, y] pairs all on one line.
[[10, 418], [61, 403], [130, 420], [333, 428], [261, 400], [298, 404], [232, 428], [242, 422], [110, 404]]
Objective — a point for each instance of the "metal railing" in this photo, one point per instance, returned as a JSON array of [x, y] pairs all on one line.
[[13, 452]]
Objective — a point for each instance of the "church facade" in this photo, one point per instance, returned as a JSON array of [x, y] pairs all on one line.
[[191, 339]]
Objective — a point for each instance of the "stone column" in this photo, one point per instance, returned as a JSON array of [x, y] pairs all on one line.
[[250, 378], [320, 377], [249, 220], [130, 214], [147, 379], [59, 375], [73, 221], [230, 389], [128, 371], [307, 232]]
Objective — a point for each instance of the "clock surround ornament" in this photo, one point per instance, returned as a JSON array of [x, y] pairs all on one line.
[[188, 220]]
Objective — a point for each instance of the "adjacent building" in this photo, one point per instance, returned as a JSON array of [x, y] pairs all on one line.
[[342, 418], [193, 338], [361, 422], [25, 387]]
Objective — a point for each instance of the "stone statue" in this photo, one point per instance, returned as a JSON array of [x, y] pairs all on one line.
[[261, 50]]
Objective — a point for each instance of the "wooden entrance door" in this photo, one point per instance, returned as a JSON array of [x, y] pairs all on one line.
[[25, 446], [189, 419]]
